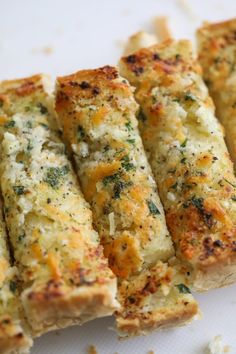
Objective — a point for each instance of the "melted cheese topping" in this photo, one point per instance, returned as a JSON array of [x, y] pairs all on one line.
[[115, 175], [217, 46], [186, 150], [49, 222], [117, 181]]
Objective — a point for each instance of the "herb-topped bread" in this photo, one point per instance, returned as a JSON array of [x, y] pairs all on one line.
[[64, 276], [217, 47], [96, 109], [191, 165]]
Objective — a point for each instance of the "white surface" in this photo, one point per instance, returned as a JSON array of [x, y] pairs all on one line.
[[86, 34]]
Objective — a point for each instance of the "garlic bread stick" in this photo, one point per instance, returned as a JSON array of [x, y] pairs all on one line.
[[185, 146], [64, 275], [13, 337], [97, 110], [217, 47]]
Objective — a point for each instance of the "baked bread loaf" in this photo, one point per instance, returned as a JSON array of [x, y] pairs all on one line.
[[186, 150], [96, 109], [216, 47], [13, 334], [64, 275]]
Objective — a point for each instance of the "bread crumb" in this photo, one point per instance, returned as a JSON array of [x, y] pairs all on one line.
[[162, 28], [151, 352], [92, 350], [216, 346], [139, 40], [47, 50], [187, 8]]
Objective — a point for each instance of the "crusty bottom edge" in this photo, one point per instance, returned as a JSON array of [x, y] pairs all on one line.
[[156, 320], [46, 312]]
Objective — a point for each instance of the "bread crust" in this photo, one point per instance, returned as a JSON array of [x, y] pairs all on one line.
[[64, 275], [191, 165], [216, 48], [116, 179]]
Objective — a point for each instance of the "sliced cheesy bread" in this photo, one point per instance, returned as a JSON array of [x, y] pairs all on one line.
[[96, 109], [64, 276], [217, 47], [185, 146], [13, 336]]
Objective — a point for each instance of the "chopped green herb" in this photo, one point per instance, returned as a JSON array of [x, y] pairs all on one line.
[[29, 145], [19, 190], [184, 143], [80, 133], [177, 56], [189, 97], [55, 174], [45, 126], [27, 108], [131, 141], [13, 286], [21, 237], [152, 208], [199, 204], [1, 103], [106, 148], [141, 116], [174, 186], [29, 124], [111, 179], [183, 289], [126, 164], [183, 160], [233, 185], [233, 198], [42, 108], [10, 124], [176, 100], [129, 125], [118, 188]]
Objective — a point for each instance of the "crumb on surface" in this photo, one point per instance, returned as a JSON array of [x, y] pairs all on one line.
[[216, 346], [92, 350], [46, 50], [185, 5], [139, 40], [151, 352], [162, 29]]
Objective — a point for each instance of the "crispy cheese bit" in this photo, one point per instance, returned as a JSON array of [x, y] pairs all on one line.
[[13, 332], [118, 183], [191, 165], [162, 29], [216, 47], [141, 38], [64, 275]]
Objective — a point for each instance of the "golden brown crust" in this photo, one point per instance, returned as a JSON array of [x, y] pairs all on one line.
[[96, 109], [12, 338], [65, 277], [186, 148]]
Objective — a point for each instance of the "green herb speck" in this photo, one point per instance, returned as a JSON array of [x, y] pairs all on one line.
[[183, 289], [80, 133], [19, 190], [128, 125], [184, 143], [13, 286], [126, 164], [10, 124], [55, 174], [152, 208]]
